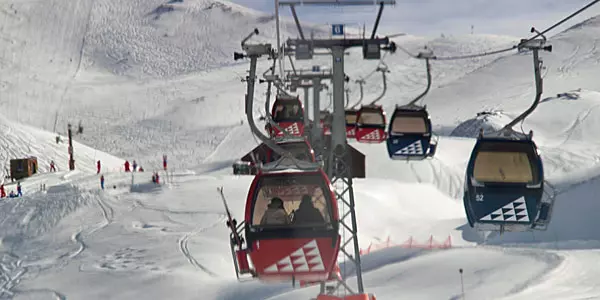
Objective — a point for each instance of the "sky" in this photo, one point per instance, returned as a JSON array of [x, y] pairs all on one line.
[[449, 17]]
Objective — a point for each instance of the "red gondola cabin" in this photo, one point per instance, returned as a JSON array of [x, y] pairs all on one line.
[[370, 124], [351, 123], [288, 113], [284, 241]]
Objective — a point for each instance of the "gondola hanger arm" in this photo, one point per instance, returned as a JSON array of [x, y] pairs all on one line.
[[534, 45], [254, 52], [361, 83], [383, 69], [427, 55], [273, 80]]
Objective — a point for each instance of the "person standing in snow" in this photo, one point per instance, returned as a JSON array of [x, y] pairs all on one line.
[[2, 191], [98, 166], [127, 166], [102, 181], [165, 162], [52, 167], [19, 190], [134, 165]]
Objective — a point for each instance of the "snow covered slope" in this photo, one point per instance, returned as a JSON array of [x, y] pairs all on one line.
[[141, 70], [140, 94], [20, 141]]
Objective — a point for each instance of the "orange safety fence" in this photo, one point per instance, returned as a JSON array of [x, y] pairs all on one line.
[[410, 243]]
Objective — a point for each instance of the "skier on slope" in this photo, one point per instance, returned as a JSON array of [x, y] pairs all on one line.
[[127, 166], [19, 190], [52, 166], [102, 181], [165, 162], [2, 191], [134, 165], [98, 167]]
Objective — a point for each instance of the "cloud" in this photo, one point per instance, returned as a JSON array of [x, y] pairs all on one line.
[[433, 17]]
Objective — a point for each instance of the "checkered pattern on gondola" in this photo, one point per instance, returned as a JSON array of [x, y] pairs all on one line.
[[415, 148], [515, 211], [293, 129], [306, 259], [372, 136], [351, 132]]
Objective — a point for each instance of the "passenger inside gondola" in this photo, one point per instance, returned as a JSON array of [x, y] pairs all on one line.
[[307, 213], [403, 124], [279, 113], [304, 200], [275, 213], [371, 118], [504, 167], [295, 113]]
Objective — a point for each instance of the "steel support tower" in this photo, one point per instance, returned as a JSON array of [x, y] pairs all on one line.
[[311, 79], [340, 168]]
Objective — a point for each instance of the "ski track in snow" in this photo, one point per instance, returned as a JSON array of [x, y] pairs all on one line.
[[107, 215], [183, 246], [11, 271], [56, 295]]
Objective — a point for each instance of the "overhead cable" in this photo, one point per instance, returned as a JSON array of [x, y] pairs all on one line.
[[487, 53]]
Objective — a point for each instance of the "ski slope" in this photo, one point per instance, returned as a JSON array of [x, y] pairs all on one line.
[[145, 81]]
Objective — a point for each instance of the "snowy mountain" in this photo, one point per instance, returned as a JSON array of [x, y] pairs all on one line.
[[153, 77], [112, 68]]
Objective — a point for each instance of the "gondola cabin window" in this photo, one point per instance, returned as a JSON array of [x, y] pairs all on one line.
[[504, 167], [409, 125], [293, 205], [371, 118], [351, 118], [289, 111]]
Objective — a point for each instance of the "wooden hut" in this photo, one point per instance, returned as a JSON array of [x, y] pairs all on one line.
[[23, 167]]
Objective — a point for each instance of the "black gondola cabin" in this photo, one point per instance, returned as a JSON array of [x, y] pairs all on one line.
[[504, 185], [409, 134]]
